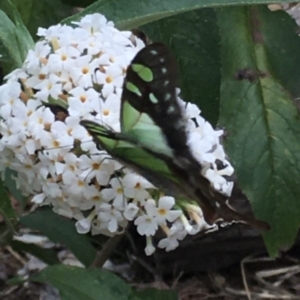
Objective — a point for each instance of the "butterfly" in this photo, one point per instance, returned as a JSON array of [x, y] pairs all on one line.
[[153, 139]]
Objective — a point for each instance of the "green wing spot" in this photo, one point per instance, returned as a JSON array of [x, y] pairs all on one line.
[[152, 98], [143, 72], [133, 88]]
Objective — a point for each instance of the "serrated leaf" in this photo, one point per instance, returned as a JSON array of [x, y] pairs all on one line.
[[61, 230], [76, 283], [194, 38], [259, 114], [134, 13]]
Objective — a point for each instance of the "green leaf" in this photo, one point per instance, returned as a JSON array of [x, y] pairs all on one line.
[[134, 13], [61, 230], [14, 36], [78, 3], [76, 283], [11, 185], [9, 39], [24, 38], [194, 38], [57, 102], [154, 294], [48, 256], [42, 13], [6, 208], [4, 54], [282, 49], [259, 115]]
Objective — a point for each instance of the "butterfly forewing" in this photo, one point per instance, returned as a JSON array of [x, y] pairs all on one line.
[[144, 131], [149, 99]]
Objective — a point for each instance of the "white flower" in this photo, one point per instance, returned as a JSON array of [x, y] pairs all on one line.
[[115, 193], [177, 233], [110, 216], [215, 178], [57, 141], [135, 187], [98, 166], [227, 188], [9, 97], [39, 120], [36, 57], [49, 87], [100, 228], [71, 163], [82, 71], [111, 77], [109, 112], [51, 32], [131, 211], [147, 223], [38, 198], [191, 110], [82, 101], [63, 59], [150, 249], [187, 226], [24, 111], [163, 212], [63, 208], [52, 189], [74, 185], [12, 138], [93, 23], [84, 225]]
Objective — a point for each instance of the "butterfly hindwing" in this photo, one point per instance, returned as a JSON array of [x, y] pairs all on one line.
[[131, 155]]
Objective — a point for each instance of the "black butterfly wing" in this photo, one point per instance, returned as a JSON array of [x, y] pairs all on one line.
[[150, 88]]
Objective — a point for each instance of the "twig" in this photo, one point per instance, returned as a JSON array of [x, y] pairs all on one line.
[[262, 295], [106, 251], [242, 264], [174, 284], [4, 294], [15, 255], [274, 272], [285, 277]]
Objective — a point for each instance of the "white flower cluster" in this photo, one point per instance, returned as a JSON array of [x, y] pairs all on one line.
[[77, 73]]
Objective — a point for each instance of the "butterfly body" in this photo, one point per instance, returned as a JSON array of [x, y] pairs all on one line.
[[154, 139]]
